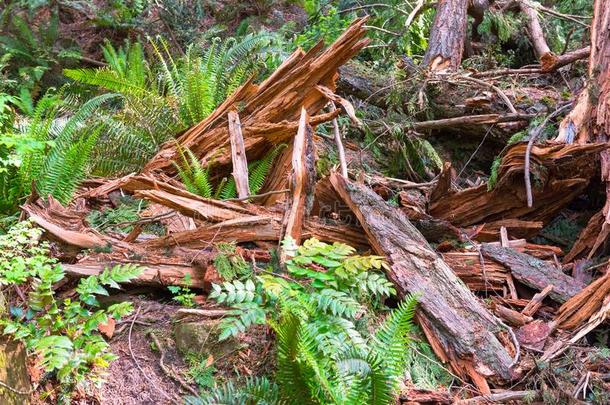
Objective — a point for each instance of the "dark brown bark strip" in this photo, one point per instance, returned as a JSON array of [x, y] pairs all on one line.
[[461, 327], [533, 272]]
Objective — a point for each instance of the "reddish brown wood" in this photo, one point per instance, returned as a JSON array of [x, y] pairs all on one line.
[[589, 121], [302, 179]]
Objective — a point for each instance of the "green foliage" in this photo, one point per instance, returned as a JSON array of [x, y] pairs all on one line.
[[229, 263], [255, 390], [323, 26], [62, 333], [32, 50], [348, 285], [117, 219], [200, 372], [48, 150], [196, 178], [183, 294], [323, 357], [161, 96]]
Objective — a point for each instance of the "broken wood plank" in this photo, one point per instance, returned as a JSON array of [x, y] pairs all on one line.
[[511, 316], [302, 179], [238, 156], [534, 305], [459, 327], [533, 272], [153, 274]]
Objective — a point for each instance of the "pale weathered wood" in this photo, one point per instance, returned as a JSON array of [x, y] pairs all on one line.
[[536, 302], [238, 156], [459, 328]]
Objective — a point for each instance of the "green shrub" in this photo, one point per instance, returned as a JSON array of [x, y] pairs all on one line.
[[61, 333]]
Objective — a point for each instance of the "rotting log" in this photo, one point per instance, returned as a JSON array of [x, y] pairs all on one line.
[[562, 173], [447, 35], [533, 272], [459, 328]]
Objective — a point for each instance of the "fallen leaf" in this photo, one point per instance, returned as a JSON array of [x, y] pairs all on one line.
[[107, 329]]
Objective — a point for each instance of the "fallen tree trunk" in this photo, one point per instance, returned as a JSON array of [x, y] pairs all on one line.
[[459, 328], [534, 273], [534, 29]]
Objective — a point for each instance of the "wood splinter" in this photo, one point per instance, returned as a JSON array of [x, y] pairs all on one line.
[[238, 156]]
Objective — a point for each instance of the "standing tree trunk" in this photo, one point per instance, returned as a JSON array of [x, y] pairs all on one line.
[[447, 36], [589, 121]]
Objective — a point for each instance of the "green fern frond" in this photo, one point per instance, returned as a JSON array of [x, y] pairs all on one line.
[[392, 337], [292, 375]]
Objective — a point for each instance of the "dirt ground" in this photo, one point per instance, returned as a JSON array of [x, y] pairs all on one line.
[[136, 377]]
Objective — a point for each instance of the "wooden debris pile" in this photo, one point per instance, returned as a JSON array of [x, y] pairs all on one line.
[[481, 237]]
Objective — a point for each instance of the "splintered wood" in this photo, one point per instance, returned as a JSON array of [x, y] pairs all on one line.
[[271, 110]]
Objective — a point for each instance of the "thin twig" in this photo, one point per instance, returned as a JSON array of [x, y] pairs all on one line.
[[16, 391], [375, 5], [528, 151], [133, 357]]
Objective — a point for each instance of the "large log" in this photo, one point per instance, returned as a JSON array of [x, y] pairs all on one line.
[[460, 329], [533, 272]]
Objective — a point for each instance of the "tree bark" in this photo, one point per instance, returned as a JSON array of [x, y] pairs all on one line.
[[534, 273], [459, 328], [447, 36], [589, 121]]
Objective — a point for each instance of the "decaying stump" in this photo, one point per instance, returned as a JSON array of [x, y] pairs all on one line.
[[459, 328], [561, 173]]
